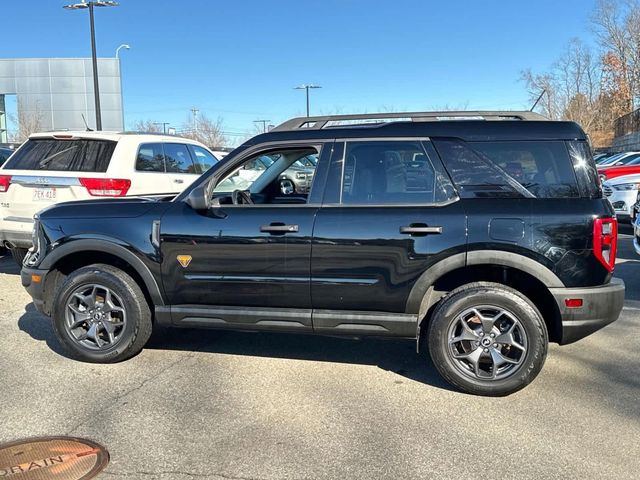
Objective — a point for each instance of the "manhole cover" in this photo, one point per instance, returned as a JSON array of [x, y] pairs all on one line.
[[52, 458]]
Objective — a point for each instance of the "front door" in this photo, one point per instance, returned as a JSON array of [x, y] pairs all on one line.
[[242, 264], [389, 213]]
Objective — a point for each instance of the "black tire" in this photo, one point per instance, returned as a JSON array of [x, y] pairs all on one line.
[[132, 336], [18, 255], [530, 325]]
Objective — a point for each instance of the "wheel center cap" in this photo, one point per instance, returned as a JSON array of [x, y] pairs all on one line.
[[486, 342], [97, 316]]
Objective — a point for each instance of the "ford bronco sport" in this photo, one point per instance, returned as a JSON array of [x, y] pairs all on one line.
[[482, 235]]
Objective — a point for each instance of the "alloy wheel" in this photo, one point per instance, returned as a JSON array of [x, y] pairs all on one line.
[[95, 317], [487, 342]]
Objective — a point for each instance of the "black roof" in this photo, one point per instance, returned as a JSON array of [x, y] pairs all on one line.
[[468, 126]]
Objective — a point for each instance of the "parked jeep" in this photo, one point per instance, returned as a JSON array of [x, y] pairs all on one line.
[[481, 235]]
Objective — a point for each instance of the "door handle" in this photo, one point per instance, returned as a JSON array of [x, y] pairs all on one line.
[[178, 180], [420, 229], [279, 228]]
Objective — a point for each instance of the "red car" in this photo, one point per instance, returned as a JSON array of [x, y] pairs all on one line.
[[631, 166]]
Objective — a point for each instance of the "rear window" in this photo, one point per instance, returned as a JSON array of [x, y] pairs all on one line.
[[63, 155], [510, 169]]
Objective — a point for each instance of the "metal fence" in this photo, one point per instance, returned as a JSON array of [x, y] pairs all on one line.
[[626, 124]]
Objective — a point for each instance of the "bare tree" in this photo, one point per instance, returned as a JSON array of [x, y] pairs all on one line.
[[617, 25], [27, 122], [201, 128], [146, 126]]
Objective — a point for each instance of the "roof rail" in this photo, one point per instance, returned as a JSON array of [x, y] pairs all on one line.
[[367, 119]]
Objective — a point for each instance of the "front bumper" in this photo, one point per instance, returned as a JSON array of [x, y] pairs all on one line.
[[35, 288], [600, 307], [622, 202]]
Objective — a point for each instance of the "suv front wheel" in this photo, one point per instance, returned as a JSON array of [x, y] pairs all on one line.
[[101, 315], [487, 339]]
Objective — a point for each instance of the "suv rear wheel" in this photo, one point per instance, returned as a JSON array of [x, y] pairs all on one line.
[[101, 315], [487, 339]]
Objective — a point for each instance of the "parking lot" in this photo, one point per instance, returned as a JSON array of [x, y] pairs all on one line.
[[207, 404]]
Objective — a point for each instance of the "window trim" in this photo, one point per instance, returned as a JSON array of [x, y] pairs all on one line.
[[421, 141]]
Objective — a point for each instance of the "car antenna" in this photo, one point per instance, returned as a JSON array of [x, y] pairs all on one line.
[[85, 123], [544, 90]]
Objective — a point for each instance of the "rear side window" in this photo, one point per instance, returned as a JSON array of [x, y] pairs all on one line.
[[150, 158], [178, 159], [63, 155], [509, 169], [585, 168], [391, 173]]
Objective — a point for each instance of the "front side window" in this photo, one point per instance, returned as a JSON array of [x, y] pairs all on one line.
[[150, 158], [86, 155], [276, 177], [391, 173], [204, 158], [177, 159]]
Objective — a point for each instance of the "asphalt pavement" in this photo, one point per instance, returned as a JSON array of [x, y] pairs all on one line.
[[224, 405]]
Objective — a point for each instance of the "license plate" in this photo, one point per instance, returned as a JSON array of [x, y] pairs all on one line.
[[44, 194]]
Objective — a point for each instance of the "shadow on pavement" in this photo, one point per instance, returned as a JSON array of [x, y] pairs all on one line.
[[39, 328], [394, 355], [8, 266], [398, 356]]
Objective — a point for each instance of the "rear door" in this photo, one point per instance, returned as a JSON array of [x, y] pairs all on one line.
[[388, 214], [182, 170]]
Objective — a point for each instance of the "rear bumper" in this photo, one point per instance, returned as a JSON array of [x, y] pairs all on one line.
[[600, 307], [16, 231], [35, 288]]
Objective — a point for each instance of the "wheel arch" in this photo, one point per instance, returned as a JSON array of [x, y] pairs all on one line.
[[83, 252], [525, 275]]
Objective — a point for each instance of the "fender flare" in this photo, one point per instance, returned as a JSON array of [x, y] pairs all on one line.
[[419, 299], [112, 247]]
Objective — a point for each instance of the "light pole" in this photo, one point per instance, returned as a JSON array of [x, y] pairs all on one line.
[[164, 126], [264, 124], [307, 87], [90, 5], [125, 46]]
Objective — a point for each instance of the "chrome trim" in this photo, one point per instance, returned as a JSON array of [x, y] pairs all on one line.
[[18, 219], [44, 181]]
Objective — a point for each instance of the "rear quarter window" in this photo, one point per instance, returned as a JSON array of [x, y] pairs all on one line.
[[86, 155], [540, 169]]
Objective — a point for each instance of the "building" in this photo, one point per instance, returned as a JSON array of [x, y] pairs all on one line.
[[55, 93]]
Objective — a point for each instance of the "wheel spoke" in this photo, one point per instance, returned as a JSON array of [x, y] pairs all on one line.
[[507, 339], [473, 357], [87, 300], [499, 360], [79, 316], [467, 333]]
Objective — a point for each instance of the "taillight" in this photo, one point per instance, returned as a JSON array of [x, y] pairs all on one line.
[[106, 187], [605, 241], [5, 181]]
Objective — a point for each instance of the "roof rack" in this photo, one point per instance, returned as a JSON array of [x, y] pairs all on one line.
[[369, 119]]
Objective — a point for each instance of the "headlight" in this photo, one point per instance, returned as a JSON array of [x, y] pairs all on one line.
[[301, 176], [627, 186]]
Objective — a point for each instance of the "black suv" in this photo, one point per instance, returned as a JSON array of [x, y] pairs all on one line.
[[483, 234]]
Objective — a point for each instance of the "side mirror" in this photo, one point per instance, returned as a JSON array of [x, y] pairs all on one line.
[[197, 198], [619, 163]]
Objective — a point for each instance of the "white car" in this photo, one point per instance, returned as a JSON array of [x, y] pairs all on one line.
[[64, 166], [622, 192]]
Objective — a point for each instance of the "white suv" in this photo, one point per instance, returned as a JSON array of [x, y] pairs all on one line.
[[63, 166]]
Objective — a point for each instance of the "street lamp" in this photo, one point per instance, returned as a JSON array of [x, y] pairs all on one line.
[[90, 5], [307, 87], [125, 46]]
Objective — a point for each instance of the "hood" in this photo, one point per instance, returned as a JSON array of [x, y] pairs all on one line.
[[126, 207]]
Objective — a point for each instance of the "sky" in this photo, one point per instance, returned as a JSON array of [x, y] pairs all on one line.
[[239, 60]]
